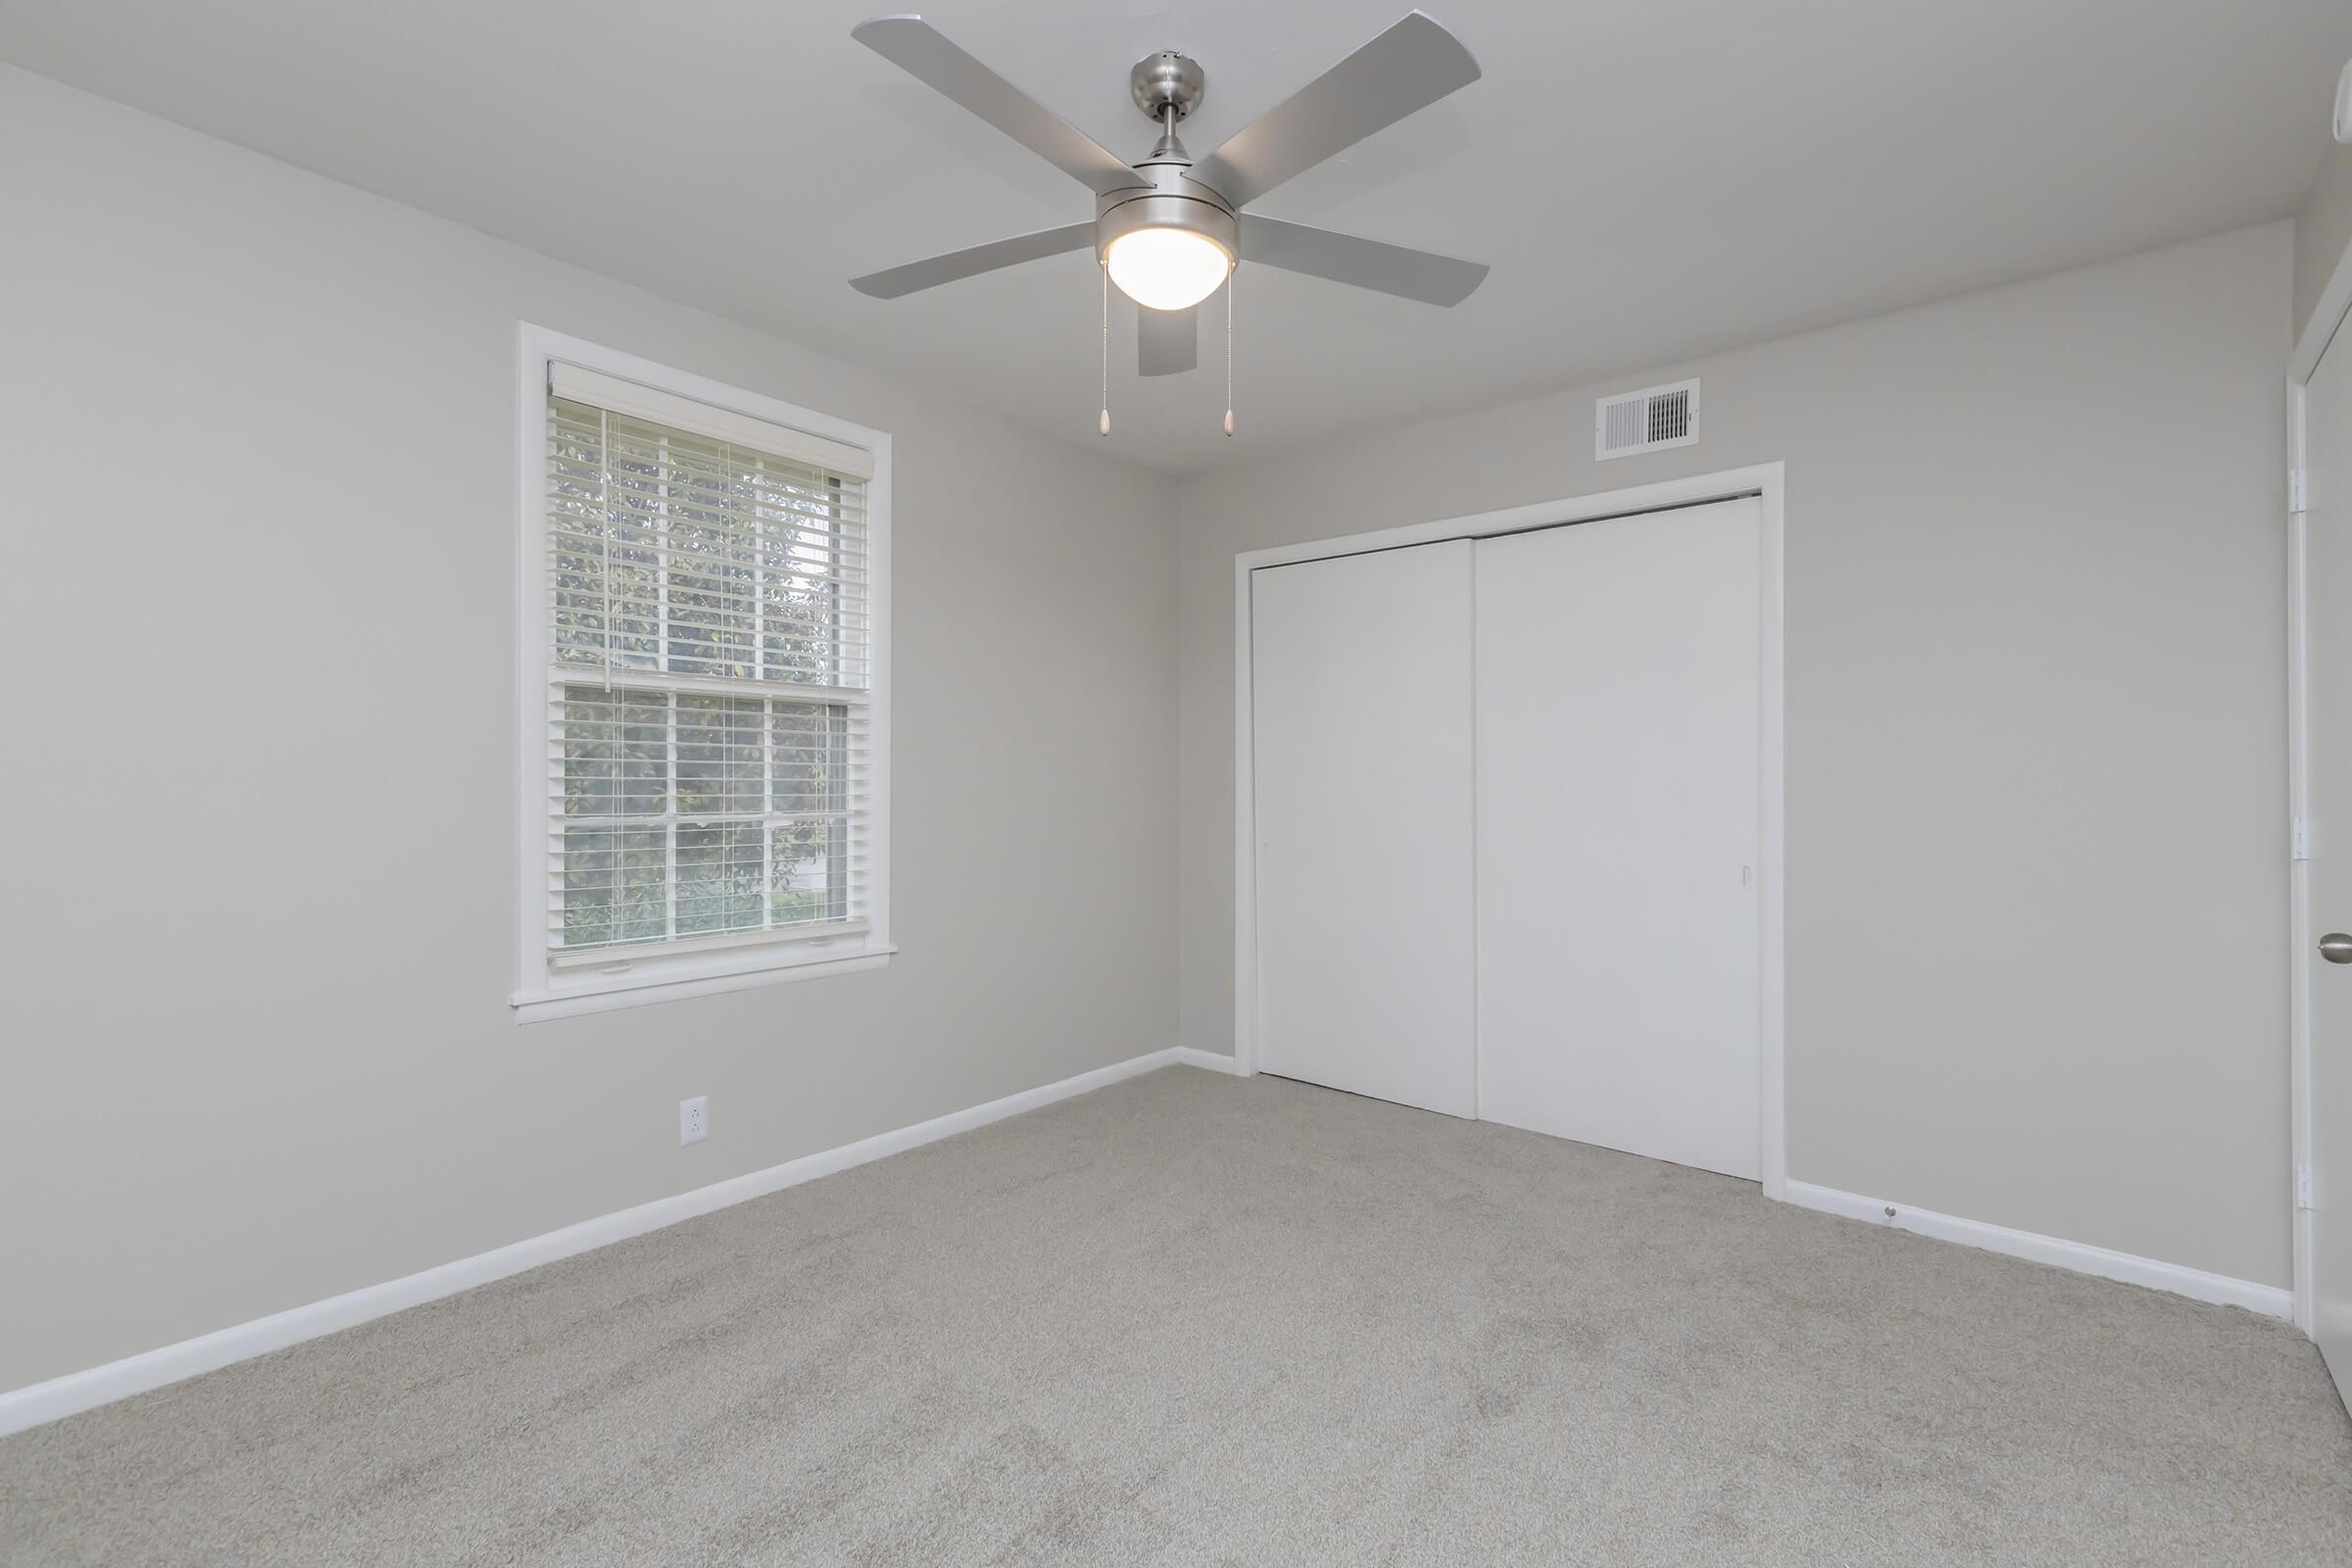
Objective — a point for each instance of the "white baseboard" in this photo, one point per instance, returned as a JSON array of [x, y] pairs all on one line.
[[75, 1392], [1213, 1061], [2272, 1301]]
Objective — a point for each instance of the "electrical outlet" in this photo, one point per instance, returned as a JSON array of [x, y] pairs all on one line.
[[694, 1119]]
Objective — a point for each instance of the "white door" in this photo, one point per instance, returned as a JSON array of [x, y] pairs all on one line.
[[1618, 834], [2327, 705], [1360, 708]]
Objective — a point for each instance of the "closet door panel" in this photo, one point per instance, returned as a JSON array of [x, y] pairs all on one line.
[[1361, 708], [1618, 833]]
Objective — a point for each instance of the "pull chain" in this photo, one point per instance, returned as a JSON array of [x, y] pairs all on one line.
[[1233, 270], [1105, 424]]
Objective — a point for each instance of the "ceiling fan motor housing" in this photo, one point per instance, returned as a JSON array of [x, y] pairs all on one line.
[[1165, 197], [1167, 80]]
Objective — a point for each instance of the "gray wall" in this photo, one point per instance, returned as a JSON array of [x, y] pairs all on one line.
[[258, 574], [2037, 893], [2323, 231]]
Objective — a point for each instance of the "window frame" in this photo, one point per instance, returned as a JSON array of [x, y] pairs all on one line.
[[543, 990]]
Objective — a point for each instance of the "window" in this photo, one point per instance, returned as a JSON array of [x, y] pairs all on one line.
[[702, 686]]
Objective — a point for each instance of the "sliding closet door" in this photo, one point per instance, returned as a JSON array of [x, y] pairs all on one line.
[[1618, 833], [1361, 709]]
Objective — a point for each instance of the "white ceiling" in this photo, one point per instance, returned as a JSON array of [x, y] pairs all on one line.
[[1650, 181]]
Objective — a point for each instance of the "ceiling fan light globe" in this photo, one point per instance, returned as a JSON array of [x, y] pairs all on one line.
[[1167, 268]]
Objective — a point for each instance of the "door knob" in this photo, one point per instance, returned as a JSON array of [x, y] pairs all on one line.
[[2336, 948]]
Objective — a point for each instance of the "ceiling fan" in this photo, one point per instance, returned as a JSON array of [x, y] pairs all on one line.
[[1169, 230]]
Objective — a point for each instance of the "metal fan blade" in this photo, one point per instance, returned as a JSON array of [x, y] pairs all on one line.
[[1166, 341], [1365, 262], [1407, 68], [925, 53], [933, 270]]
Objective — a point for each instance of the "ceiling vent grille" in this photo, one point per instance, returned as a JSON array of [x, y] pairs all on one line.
[[1647, 420]]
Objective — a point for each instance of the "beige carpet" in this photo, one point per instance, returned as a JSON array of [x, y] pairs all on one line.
[[1192, 1319]]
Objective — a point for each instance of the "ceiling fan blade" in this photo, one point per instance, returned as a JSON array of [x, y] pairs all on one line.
[[1407, 68], [925, 53], [933, 270], [1369, 264], [1166, 341]]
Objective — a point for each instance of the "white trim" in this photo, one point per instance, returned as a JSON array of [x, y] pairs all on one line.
[[725, 971], [1212, 1061], [2317, 336], [624, 956], [1766, 482], [540, 993], [2298, 875], [1245, 829], [118, 1380], [2269, 1299]]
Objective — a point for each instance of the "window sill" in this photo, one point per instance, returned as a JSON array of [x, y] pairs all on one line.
[[670, 977]]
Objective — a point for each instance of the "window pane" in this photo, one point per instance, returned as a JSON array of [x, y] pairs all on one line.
[[713, 564], [612, 884], [721, 876], [635, 508], [604, 538], [810, 872], [616, 752], [575, 517], [720, 758], [812, 760], [800, 587]]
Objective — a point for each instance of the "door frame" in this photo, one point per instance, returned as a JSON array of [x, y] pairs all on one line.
[[2319, 334], [1764, 481]]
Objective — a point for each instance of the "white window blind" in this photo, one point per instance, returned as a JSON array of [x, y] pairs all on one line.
[[708, 677]]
